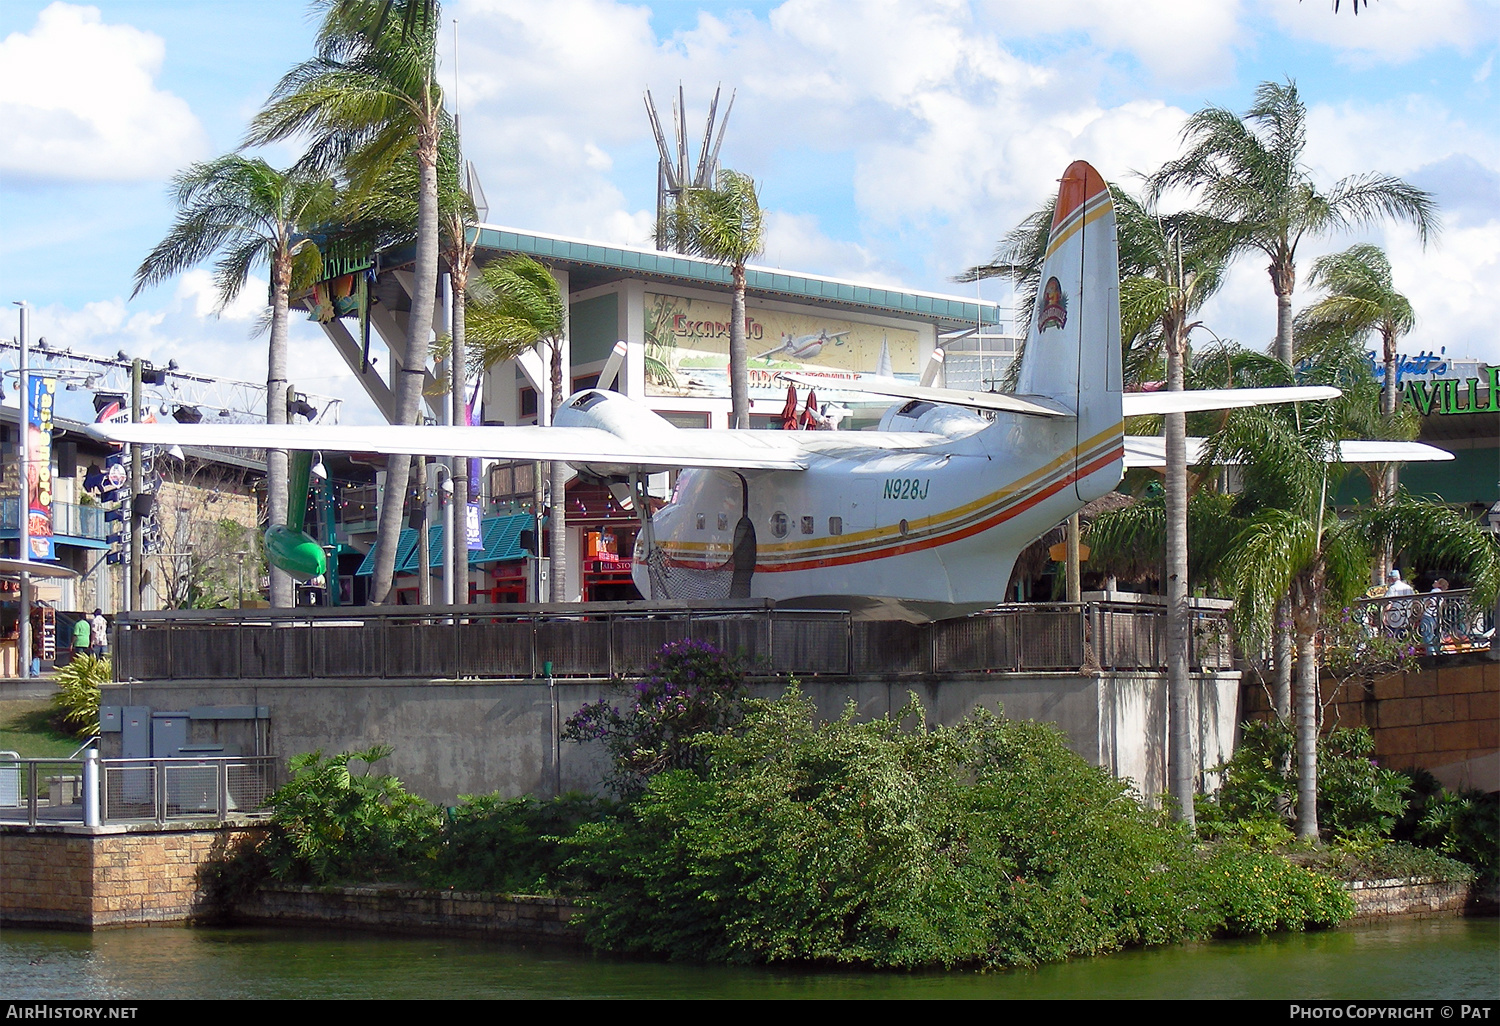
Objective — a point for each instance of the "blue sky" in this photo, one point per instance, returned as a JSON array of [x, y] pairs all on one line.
[[894, 142]]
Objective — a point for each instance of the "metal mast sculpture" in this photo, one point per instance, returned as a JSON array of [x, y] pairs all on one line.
[[672, 172]]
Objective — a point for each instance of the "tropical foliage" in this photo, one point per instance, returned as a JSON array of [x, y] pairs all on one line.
[[890, 843], [1250, 173], [367, 102], [251, 215], [516, 304], [78, 690], [724, 224]]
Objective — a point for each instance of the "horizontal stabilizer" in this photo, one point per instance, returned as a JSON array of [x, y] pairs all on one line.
[[1145, 404], [951, 396], [1151, 451]]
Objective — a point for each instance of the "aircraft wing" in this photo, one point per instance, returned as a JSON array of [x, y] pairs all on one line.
[[907, 390], [1151, 451], [1141, 404], [730, 450]]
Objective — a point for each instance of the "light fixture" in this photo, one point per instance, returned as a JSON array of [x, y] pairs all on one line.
[[318, 470], [187, 415], [176, 453]]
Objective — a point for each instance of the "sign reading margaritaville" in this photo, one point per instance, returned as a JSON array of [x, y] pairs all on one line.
[[1451, 396]]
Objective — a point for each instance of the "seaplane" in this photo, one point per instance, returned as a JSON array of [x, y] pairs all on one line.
[[803, 347], [920, 519]]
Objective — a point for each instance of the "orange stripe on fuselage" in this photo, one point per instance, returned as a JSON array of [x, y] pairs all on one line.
[[918, 545]]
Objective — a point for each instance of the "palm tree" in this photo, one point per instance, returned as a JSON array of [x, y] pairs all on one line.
[[1362, 298], [724, 224], [368, 100], [1251, 173], [517, 304], [1185, 257], [251, 215]]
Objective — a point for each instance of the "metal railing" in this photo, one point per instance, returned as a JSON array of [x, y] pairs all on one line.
[[69, 519], [603, 640], [1437, 622], [169, 790]]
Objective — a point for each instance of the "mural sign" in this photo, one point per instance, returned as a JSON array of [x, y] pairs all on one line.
[[687, 348], [41, 395]]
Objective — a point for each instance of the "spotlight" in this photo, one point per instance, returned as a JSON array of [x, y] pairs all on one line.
[[104, 399], [177, 454], [319, 471], [187, 415], [301, 407]]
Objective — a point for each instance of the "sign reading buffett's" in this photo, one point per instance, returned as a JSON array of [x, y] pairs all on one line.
[[687, 347]]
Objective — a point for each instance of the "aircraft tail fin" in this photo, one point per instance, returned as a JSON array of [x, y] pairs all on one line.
[[1073, 342]]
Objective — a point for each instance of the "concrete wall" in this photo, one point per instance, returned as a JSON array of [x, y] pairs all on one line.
[[473, 737]]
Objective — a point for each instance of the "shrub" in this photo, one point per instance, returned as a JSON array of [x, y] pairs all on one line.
[[691, 689], [509, 844], [889, 843], [1464, 825], [77, 698], [1356, 797], [328, 824]]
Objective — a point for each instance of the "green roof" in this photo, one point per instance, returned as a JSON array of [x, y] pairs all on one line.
[[760, 280]]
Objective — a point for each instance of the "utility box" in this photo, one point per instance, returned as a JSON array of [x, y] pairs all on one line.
[[538, 574]]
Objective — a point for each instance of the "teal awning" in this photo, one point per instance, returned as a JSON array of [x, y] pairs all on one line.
[[501, 536]]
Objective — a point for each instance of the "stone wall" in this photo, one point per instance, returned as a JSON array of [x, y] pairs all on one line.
[[1443, 717], [107, 876], [401, 909], [1374, 899]]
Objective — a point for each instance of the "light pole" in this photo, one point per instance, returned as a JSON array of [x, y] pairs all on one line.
[[23, 498]]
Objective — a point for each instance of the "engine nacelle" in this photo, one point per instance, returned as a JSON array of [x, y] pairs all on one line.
[[613, 412], [932, 418]]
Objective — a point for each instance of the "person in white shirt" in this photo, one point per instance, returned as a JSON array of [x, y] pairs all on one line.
[[1397, 614]]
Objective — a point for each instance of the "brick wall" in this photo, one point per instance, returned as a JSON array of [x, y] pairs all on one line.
[[408, 910], [112, 877], [1443, 717]]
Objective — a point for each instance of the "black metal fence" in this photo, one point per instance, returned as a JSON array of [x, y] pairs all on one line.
[[602, 640], [1435, 623]]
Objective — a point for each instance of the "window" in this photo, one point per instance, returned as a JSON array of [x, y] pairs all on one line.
[[723, 521], [807, 525], [702, 521], [835, 525], [780, 523]]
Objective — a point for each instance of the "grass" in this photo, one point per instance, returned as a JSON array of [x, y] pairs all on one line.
[[26, 727]]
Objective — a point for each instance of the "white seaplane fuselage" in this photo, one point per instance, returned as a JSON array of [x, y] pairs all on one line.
[[918, 523]]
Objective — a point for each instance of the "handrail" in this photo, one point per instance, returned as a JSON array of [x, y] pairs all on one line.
[[163, 789]]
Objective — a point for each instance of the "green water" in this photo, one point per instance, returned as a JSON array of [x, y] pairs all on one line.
[[1434, 958]]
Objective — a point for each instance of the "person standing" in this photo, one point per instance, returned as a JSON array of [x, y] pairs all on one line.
[[98, 633], [82, 636]]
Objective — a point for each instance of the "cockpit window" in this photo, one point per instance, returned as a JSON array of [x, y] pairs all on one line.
[[591, 398]]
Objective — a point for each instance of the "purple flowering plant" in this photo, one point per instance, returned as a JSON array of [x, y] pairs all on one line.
[[648, 725]]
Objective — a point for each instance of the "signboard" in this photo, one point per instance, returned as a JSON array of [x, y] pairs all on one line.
[[475, 536], [687, 347], [41, 394], [1449, 396]]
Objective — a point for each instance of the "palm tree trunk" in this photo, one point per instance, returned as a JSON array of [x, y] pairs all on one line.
[[1284, 282], [1281, 656], [559, 511], [1307, 731], [739, 369], [283, 592], [408, 385], [1182, 774], [460, 415]]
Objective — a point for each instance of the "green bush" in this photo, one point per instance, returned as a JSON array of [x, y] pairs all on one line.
[[1356, 797], [328, 824], [509, 844], [1463, 825], [889, 843], [77, 698]]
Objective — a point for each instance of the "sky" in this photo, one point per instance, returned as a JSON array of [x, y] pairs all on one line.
[[893, 142]]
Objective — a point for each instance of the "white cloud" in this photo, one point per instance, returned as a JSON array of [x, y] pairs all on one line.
[[198, 287], [79, 103], [1391, 30], [184, 329]]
